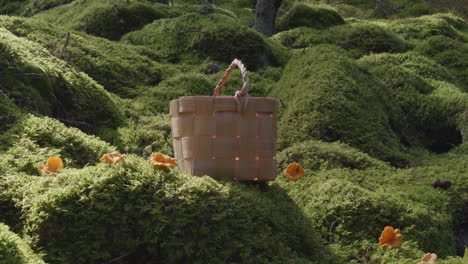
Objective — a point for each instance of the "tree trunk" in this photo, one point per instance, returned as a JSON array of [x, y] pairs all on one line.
[[265, 13]]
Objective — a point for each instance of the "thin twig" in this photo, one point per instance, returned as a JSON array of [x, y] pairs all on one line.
[[64, 48], [118, 258]]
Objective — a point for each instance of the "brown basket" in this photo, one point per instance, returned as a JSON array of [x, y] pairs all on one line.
[[226, 136]]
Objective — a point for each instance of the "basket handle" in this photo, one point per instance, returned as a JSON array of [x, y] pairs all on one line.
[[245, 87]]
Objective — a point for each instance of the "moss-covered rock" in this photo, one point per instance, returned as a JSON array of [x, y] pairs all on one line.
[[432, 109], [144, 136], [433, 106], [190, 82], [450, 53], [119, 68], [28, 144], [108, 19], [39, 82], [328, 97], [14, 250], [343, 211], [74, 146], [421, 65], [152, 214], [29, 7], [303, 15], [411, 8], [193, 37], [156, 99], [427, 26], [318, 155], [380, 196], [358, 38]]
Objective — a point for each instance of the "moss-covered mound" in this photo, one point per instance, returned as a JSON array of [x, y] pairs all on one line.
[[119, 68], [450, 53], [13, 250], [156, 99], [74, 146], [39, 82], [29, 7], [144, 135], [416, 63], [137, 211], [358, 38], [27, 145], [380, 196], [328, 97], [303, 15], [427, 26], [145, 214], [318, 155], [193, 37], [108, 19], [346, 213], [433, 109]]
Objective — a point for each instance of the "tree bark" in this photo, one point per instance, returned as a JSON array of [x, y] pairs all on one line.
[[265, 16]]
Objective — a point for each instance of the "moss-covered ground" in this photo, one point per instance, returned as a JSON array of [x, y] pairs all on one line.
[[374, 106]]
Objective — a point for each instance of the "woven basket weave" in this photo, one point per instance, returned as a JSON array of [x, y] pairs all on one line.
[[226, 136]]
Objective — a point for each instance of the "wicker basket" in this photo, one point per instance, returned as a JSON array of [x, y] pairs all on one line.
[[226, 136]]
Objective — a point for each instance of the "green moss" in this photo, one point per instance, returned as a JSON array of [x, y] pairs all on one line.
[[119, 68], [368, 251], [328, 97], [74, 146], [318, 155], [190, 83], [17, 165], [450, 53], [421, 65], [14, 250], [156, 99], [39, 82], [330, 203], [147, 135], [405, 8], [108, 19], [431, 110], [427, 26], [338, 200], [12, 7], [302, 15], [9, 112], [154, 214], [193, 37], [358, 38]]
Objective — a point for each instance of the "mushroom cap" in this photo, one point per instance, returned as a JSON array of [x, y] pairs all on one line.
[[390, 237], [54, 164], [294, 171], [164, 161], [113, 158], [429, 258]]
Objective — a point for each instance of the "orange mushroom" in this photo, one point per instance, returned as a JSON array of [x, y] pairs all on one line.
[[294, 171], [162, 161], [53, 165], [390, 237], [429, 259], [113, 158]]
